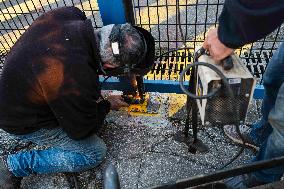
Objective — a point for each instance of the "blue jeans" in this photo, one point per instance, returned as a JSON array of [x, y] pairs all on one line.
[[62, 154], [269, 131]]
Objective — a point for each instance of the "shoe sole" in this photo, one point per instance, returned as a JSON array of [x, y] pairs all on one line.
[[240, 142]]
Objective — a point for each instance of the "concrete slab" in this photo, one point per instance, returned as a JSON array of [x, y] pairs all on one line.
[[144, 151]]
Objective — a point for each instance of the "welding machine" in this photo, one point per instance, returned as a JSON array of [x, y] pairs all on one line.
[[220, 93], [222, 108]]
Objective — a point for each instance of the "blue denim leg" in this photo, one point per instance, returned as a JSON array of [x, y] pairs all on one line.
[[274, 145], [62, 154], [272, 80]]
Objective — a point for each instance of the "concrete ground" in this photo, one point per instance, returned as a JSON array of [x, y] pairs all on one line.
[[144, 151]]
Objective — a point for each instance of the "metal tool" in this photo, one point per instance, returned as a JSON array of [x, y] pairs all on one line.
[[141, 102]]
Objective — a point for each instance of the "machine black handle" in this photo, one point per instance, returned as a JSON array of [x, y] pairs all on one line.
[[228, 63], [200, 52]]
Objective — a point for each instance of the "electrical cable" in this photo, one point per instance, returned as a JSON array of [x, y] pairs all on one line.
[[213, 92], [241, 150]]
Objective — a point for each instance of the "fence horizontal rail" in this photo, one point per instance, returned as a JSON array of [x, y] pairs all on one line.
[[157, 16]]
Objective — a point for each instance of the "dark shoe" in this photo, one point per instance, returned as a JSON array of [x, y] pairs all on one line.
[[231, 132], [242, 182], [7, 179]]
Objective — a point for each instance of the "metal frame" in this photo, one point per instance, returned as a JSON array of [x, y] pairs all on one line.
[[159, 17], [222, 174], [111, 177]]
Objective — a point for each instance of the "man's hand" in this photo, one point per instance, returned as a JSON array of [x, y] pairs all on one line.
[[218, 51], [116, 102]]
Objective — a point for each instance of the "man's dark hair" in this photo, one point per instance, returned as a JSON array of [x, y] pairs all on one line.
[[130, 48], [132, 45]]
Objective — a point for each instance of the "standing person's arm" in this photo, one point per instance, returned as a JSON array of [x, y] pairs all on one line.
[[242, 22]]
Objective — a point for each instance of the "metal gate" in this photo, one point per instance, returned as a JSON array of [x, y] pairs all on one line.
[[160, 18]]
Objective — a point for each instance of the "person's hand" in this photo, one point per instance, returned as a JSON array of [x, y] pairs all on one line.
[[218, 51], [116, 102]]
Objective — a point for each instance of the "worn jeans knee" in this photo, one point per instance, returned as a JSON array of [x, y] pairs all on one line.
[[62, 154], [96, 150]]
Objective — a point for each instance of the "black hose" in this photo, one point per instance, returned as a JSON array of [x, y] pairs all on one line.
[[227, 64], [211, 94]]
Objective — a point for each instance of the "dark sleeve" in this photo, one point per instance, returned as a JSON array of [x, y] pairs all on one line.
[[246, 21], [79, 116], [71, 90]]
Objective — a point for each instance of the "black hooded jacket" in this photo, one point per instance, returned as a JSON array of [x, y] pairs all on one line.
[[50, 77], [246, 21]]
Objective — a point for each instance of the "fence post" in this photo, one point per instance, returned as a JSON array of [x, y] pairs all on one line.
[[129, 11], [116, 11]]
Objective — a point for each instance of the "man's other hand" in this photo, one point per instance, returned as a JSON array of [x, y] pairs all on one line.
[[116, 102], [218, 51]]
